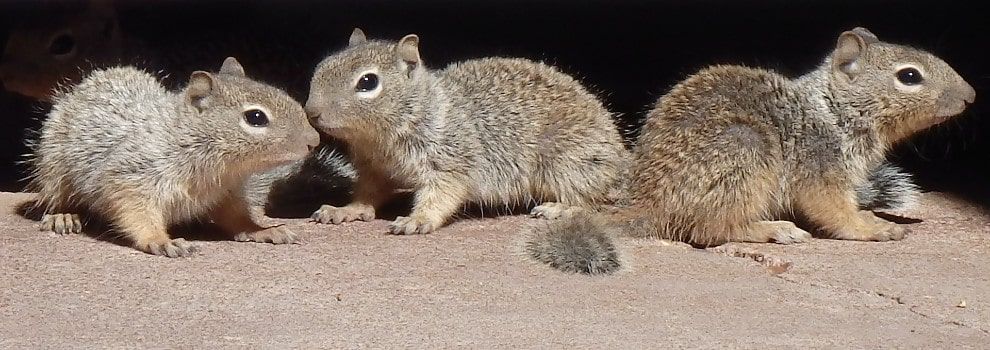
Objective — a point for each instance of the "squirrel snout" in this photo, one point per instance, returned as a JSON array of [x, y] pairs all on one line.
[[312, 112], [967, 93], [312, 138]]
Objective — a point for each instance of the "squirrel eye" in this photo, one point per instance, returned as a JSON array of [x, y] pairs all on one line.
[[61, 45], [909, 76], [256, 118], [367, 82]]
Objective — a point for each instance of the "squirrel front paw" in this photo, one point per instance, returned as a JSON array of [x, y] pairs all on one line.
[[276, 235], [328, 214], [173, 248], [876, 229], [413, 225], [61, 223], [889, 232], [553, 210]]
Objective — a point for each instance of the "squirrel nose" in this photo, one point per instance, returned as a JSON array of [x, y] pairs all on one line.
[[312, 112], [312, 138], [968, 94]]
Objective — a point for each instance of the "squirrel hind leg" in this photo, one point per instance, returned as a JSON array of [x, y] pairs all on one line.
[[575, 244], [146, 227]]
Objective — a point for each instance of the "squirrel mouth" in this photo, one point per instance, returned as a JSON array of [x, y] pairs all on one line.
[[948, 110]]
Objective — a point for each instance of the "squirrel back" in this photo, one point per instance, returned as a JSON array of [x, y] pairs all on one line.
[[730, 153]]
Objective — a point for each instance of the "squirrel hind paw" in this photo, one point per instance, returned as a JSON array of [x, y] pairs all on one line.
[[577, 244]]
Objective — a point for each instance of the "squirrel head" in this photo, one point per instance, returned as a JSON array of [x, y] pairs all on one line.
[[363, 91], [256, 126], [903, 89], [41, 53]]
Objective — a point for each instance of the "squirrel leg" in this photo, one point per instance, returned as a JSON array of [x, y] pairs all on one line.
[[146, 227], [369, 193], [234, 216], [783, 232], [837, 213], [434, 203]]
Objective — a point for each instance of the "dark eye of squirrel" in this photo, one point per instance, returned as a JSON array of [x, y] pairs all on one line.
[[909, 76], [62, 44], [256, 118], [367, 82]]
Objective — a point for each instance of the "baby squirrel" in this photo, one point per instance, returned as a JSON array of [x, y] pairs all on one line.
[[731, 152], [494, 131], [122, 147], [41, 52]]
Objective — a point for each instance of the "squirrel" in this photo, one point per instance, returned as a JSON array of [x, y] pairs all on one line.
[[123, 148], [732, 152], [57, 43], [40, 53], [490, 131]]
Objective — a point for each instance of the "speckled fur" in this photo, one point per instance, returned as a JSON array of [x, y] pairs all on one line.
[[732, 152], [494, 131], [120, 146]]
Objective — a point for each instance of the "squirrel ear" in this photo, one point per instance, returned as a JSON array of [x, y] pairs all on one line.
[[201, 85], [357, 37], [850, 50], [103, 8], [408, 49], [867, 36], [232, 67]]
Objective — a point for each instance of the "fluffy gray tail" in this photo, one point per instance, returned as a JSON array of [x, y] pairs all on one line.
[[578, 243], [295, 190], [887, 187]]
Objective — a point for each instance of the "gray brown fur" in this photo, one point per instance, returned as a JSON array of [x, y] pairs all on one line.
[[732, 153], [493, 131], [576, 245], [120, 146]]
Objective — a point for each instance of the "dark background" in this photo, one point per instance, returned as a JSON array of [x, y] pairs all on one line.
[[628, 52]]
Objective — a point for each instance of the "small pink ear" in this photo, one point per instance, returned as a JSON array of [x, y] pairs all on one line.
[[232, 67], [357, 37], [408, 49], [868, 37], [201, 85], [849, 50]]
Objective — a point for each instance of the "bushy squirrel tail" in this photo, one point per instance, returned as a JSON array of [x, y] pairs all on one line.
[[578, 243], [887, 187]]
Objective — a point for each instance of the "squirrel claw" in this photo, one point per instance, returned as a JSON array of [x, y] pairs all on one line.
[[274, 235], [62, 224], [328, 214], [411, 226], [174, 248]]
